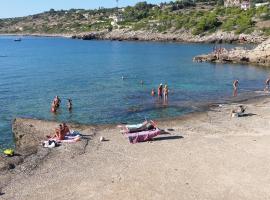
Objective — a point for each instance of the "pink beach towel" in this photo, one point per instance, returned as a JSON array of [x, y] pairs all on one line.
[[143, 135]]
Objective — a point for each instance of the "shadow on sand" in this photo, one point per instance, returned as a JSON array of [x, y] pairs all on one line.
[[247, 115], [173, 137]]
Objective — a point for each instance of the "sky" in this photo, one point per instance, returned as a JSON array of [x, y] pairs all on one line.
[[19, 8]]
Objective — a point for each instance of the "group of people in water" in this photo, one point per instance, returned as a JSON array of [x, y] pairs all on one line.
[[236, 85], [56, 104], [161, 92]]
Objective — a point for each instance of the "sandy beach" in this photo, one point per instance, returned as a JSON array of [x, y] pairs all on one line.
[[206, 155]]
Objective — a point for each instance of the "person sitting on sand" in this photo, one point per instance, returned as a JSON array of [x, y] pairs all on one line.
[[59, 133], [66, 130], [267, 82], [69, 104]]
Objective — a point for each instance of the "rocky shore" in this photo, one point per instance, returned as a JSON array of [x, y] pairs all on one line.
[[171, 36], [260, 55]]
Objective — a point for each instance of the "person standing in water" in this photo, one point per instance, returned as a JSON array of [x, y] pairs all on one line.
[[160, 90], [267, 83], [69, 105], [57, 101], [166, 92], [153, 92], [235, 87]]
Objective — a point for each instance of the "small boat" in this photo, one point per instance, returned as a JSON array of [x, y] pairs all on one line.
[[18, 40]]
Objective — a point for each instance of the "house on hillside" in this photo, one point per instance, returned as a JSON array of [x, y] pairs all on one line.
[[245, 5], [116, 18], [232, 3]]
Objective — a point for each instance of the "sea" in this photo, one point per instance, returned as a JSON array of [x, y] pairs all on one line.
[[104, 80]]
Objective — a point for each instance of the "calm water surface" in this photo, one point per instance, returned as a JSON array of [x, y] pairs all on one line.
[[35, 70]]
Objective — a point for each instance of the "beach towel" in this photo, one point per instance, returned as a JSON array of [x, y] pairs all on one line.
[[71, 137], [143, 135]]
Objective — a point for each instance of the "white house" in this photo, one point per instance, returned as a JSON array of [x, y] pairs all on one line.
[[245, 5], [116, 19]]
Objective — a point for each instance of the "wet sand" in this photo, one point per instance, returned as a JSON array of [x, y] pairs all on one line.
[[206, 155]]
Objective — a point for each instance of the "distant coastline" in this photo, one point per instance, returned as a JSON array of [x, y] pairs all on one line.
[[179, 36]]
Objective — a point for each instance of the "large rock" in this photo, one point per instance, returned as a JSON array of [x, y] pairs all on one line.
[[258, 56], [29, 133]]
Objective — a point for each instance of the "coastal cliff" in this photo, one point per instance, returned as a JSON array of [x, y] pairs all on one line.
[[257, 56]]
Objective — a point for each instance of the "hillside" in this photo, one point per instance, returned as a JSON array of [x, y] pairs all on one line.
[[200, 19]]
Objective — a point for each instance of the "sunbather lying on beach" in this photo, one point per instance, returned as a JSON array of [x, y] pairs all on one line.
[[146, 125]]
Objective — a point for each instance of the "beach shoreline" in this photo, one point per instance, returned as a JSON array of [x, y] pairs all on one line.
[[191, 133]]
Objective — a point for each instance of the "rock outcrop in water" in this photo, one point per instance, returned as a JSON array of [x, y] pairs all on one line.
[[258, 56]]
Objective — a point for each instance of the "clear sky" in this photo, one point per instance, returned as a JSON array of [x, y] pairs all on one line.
[[18, 8]]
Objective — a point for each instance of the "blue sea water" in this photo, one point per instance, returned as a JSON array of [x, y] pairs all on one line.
[[34, 70]]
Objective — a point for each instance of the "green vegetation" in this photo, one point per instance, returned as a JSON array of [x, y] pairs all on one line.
[[200, 18]]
